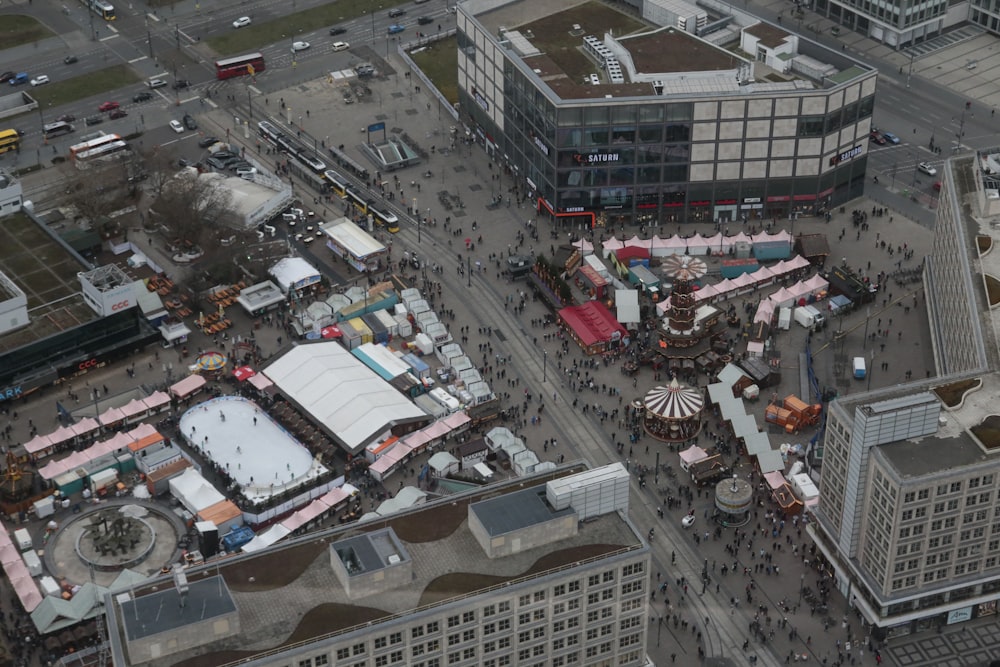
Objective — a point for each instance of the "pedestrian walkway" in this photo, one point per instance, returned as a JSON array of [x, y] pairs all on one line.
[[949, 38]]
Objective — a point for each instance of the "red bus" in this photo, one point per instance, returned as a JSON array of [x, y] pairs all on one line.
[[240, 65]]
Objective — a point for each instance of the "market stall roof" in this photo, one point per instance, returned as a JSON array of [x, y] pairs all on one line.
[[260, 296], [592, 322], [261, 382], [243, 373], [675, 401], [187, 386], [291, 271], [356, 241], [347, 398], [172, 331]]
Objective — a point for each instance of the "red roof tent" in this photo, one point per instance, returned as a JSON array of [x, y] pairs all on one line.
[[592, 322], [631, 252]]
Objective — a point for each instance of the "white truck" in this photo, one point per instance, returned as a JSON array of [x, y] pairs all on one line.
[[806, 317], [818, 317], [785, 318]]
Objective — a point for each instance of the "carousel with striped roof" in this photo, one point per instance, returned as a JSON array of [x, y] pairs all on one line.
[[673, 413]]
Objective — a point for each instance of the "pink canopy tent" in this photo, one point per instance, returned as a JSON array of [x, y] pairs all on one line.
[[187, 386], [763, 274], [134, 408], [730, 241], [797, 262], [24, 587], [141, 431], [774, 479], [742, 281], [156, 400], [715, 242], [799, 291], [817, 284], [61, 434], [9, 554], [584, 246], [764, 237], [111, 416], [335, 497], [37, 444], [85, 426], [783, 297], [294, 522], [765, 311], [692, 454], [698, 245], [261, 382], [608, 246]]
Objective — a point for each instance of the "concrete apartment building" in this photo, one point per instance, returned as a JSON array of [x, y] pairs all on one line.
[[546, 570], [909, 513], [684, 114]]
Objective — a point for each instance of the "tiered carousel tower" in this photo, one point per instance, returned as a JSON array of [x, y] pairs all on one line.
[[683, 270]]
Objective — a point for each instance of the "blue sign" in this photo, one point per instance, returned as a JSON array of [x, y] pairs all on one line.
[[375, 127], [11, 393]]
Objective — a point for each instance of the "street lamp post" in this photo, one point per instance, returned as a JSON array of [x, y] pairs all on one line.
[[802, 583], [545, 364]]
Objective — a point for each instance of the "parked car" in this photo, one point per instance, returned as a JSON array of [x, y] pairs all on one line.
[[94, 120], [424, 20], [890, 137], [393, 13], [337, 30], [108, 106], [180, 84], [419, 2], [142, 97], [189, 122], [40, 80], [19, 78], [207, 141], [66, 118], [117, 113], [364, 71], [6, 76], [215, 163], [176, 126], [242, 22], [877, 138], [300, 46], [926, 168], [156, 83], [396, 28], [224, 155], [69, 60], [340, 46]]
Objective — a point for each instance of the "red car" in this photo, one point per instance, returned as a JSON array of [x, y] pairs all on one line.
[[877, 138], [108, 106]]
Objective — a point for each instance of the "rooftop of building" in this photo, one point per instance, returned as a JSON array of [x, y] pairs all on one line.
[[291, 595], [47, 274], [549, 36]]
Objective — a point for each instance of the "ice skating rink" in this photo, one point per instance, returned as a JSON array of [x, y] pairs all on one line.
[[260, 455]]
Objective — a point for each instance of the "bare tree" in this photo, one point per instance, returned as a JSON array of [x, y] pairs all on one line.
[[190, 206], [99, 191]]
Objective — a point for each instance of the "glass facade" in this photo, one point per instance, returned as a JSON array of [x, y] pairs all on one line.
[[632, 163]]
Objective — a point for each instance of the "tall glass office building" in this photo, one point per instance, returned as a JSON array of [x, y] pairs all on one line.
[[606, 119]]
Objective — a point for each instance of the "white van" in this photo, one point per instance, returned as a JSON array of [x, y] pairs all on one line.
[[860, 370], [340, 46]]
